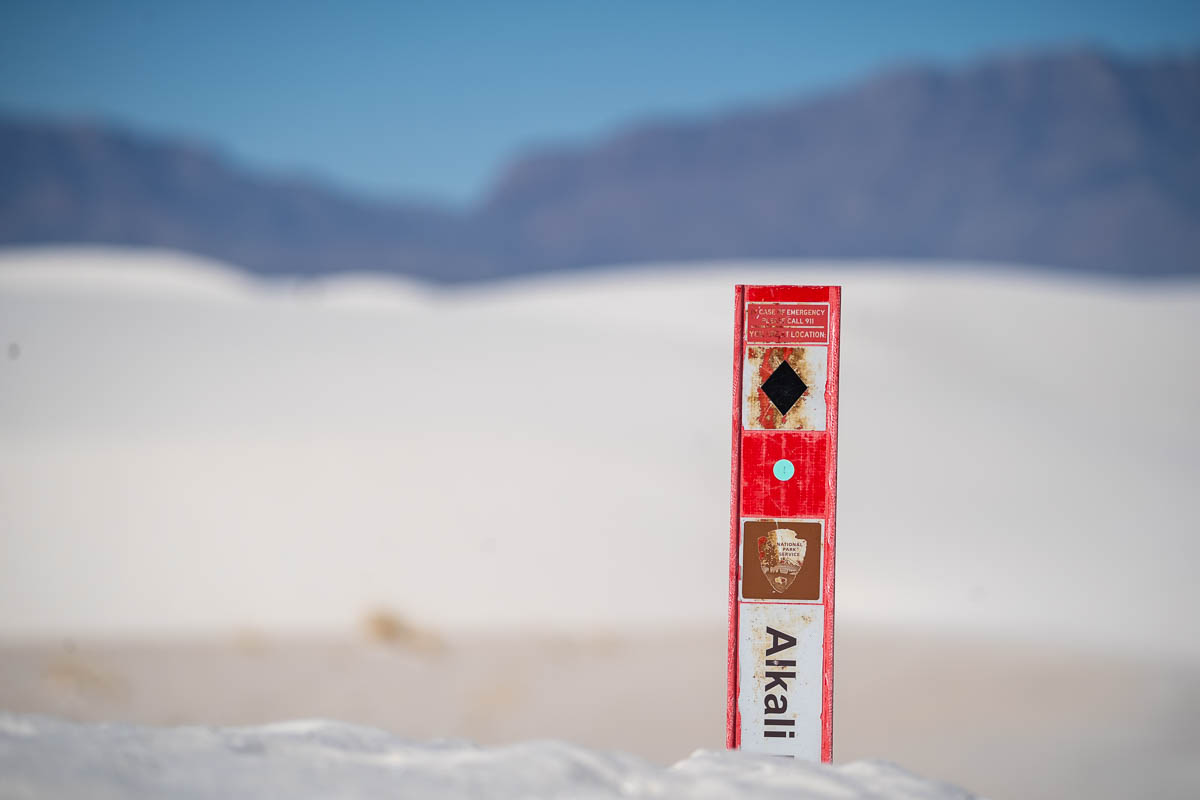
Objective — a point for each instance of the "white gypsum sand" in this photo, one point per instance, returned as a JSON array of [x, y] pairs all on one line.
[[1001, 717], [187, 450], [42, 757]]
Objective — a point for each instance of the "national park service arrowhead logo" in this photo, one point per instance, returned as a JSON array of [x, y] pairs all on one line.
[[781, 557], [788, 552]]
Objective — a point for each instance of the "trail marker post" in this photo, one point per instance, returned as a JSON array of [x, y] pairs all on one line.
[[781, 539]]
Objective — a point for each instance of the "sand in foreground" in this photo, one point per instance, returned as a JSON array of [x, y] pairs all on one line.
[[1000, 719]]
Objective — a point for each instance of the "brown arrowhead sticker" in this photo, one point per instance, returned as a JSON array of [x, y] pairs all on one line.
[[781, 557], [788, 553]]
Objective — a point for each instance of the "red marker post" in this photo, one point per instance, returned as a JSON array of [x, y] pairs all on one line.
[[781, 544]]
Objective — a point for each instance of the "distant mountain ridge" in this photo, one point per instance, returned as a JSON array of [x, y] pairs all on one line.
[[1078, 159]]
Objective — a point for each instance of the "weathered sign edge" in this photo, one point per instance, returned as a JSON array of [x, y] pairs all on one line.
[[732, 728]]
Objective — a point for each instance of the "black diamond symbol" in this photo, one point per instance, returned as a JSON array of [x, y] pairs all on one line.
[[784, 387]]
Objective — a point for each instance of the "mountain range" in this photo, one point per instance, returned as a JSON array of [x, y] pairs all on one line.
[[1076, 159]]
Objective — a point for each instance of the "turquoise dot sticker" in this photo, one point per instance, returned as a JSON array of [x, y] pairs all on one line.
[[783, 469]]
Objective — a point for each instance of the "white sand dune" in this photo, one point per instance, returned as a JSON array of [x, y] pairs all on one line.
[[185, 453], [188, 450], [1000, 717], [317, 759]]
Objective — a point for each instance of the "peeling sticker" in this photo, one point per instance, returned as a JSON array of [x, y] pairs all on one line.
[[781, 560], [787, 323], [785, 388], [780, 680]]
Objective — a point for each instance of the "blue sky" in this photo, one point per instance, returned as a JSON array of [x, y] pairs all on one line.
[[430, 99]]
